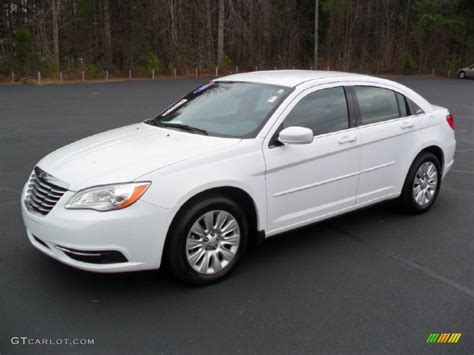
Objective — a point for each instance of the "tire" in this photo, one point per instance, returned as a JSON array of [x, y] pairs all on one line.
[[413, 199], [462, 75], [186, 252]]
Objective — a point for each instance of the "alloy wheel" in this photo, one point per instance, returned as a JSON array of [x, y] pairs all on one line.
[[212, 242], [425, 183]]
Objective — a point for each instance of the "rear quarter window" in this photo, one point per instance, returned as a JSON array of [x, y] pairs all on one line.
[[414, 108]]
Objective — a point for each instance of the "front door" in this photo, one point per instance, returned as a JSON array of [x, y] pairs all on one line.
[[308, 182]]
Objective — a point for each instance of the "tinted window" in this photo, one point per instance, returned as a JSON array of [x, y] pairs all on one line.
[[376, 104], [322, 111], [414, 108], [402, 105], [228, 109]]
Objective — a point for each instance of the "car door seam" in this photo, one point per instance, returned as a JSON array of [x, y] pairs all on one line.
[[378, 167]]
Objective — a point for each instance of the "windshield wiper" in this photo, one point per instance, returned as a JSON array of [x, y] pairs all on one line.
[[181, 126]]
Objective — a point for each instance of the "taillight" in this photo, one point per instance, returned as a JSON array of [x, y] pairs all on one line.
[[450, 120]]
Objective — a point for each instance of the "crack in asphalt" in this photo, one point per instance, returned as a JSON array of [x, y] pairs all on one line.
[[436, 276], [427, 271]]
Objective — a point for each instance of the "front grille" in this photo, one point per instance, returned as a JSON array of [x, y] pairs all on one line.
[[41, 194]]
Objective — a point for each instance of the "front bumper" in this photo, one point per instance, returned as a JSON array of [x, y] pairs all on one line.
[[93, 241]]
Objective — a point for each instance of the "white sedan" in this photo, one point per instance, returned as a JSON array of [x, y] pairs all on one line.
[[239, 159]]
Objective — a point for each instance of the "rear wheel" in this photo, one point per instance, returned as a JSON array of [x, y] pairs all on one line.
[[422, 184], [206, 240]]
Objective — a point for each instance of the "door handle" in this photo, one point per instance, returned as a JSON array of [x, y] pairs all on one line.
[[407, 124], [347, 139]]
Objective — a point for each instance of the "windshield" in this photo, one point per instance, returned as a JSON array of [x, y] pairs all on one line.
[[225, 109]]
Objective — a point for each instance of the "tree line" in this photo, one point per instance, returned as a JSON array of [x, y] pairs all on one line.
[[91, 36]]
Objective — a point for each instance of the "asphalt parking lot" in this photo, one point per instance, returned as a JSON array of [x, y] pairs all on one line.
[[372, 281]]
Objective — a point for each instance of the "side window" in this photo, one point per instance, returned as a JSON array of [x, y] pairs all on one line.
[[376, 104], [323, 111], [414, 108], [407, 107], [402, 105]]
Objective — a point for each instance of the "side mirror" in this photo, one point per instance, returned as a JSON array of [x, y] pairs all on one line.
[[296, 135]]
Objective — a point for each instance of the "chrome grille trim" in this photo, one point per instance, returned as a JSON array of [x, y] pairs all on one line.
[[43, 192]]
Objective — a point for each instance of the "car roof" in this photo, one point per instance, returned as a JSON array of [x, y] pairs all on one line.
[[290, 78]]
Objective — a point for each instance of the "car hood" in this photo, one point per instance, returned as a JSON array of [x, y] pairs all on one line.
[[124, 154]]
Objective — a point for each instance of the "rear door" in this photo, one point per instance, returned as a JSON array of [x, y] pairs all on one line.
[[390, 137]]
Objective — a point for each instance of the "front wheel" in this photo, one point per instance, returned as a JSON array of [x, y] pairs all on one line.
[[422, 184], [462, 75], [206, 240]]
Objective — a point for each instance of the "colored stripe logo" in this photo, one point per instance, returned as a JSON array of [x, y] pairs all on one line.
[[451, 338]]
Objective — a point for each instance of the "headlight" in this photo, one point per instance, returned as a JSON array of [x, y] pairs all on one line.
[[108, 197]]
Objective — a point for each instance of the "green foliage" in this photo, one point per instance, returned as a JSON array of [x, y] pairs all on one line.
[[84, 35], [409, 64], [439, 30], [329, 6], [227, 62], [93, 71], [153, 62], [453, 63], [434, 17], [48, 68], [277, 19], [23, 48]]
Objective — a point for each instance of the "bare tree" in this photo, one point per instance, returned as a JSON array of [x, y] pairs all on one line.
[[220, 35], [316, 33], [162, 35], [107, 35], [210, 46], [55, 4]]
